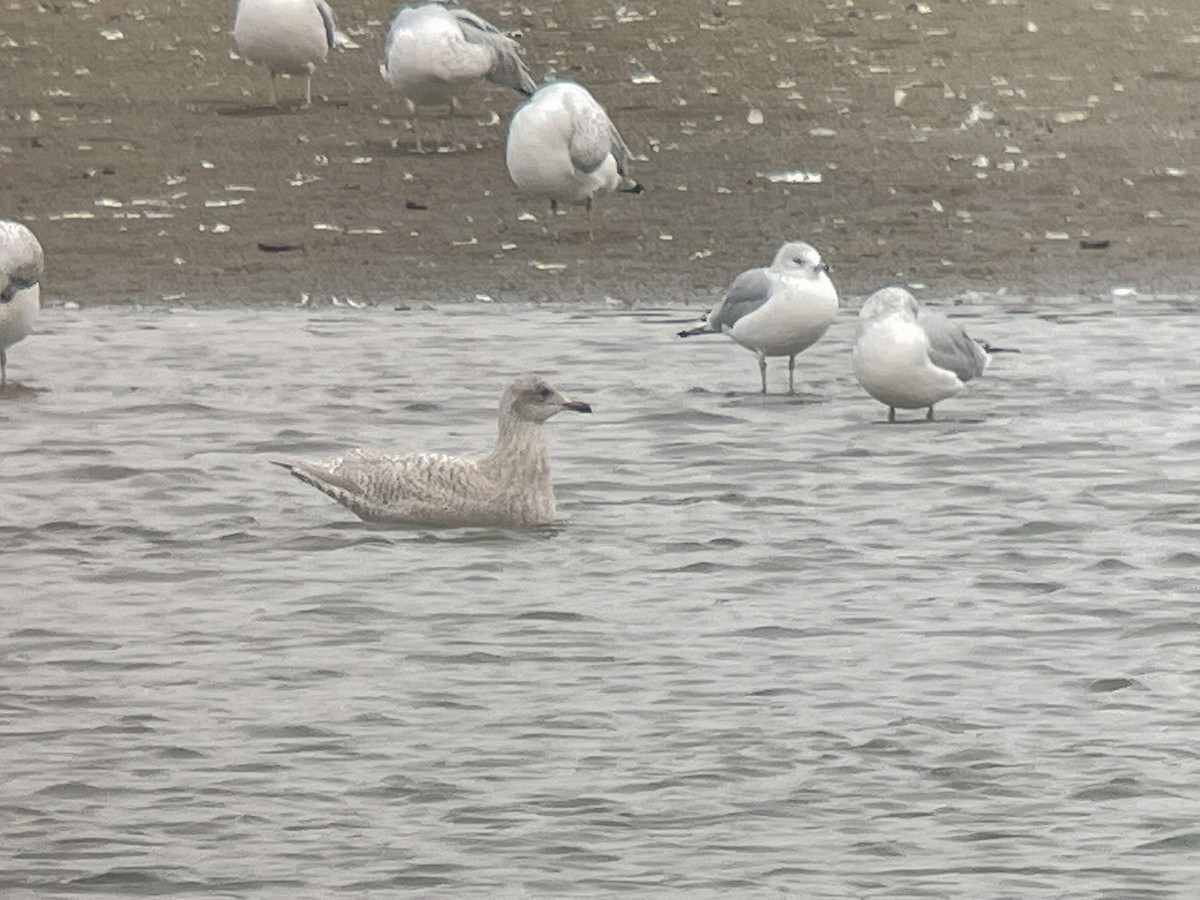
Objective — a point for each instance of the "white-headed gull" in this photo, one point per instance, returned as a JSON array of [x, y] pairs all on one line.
[[20, 277], [289, 37], [433, 53], [563, 147], [910, 357], [780, 310]]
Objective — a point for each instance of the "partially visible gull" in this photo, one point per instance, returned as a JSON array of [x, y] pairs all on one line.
[[910, 357], [20, 275], [433, 53], [777, 311], [510, 487], [289, 37], [563, 147]]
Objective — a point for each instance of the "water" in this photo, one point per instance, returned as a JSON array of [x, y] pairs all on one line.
[[771, 646]]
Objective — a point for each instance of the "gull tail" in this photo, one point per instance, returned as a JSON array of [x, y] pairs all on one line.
[[629, 186], [343, 492]]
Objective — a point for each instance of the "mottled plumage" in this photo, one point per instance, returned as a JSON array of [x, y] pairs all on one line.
[[777, 311], [910, 357], [508, 487], [289, 37], [563, 147], [21, 265], [434, 52]]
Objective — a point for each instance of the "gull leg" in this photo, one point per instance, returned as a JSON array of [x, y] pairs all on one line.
[[554, 218], [3, 366], [415, 122], [308, 91], [762, 370], [588, 207], [451, 128], [791, 374], [891, 415], [929, 415]]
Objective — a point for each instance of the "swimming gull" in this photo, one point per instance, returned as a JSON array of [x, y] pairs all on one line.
[[508, 487], [563, 147], [289, 37], [910, 357], [433, 53], [777, 311], [20, 276]]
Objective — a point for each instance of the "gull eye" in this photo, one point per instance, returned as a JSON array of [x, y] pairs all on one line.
[[544, 392]]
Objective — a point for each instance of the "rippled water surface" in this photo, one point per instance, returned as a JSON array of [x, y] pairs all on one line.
[[772, 645]]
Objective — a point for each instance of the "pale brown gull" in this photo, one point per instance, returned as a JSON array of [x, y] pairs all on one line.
[[510, 487]]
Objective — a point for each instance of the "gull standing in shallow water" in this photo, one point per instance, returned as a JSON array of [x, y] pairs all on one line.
[[289, 37], [432, 53], [20, 276], [909, 357], [563, 147], [510, 487], [777, 311]]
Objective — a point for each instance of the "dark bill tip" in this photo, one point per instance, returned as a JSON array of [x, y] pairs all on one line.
[[578, 406]]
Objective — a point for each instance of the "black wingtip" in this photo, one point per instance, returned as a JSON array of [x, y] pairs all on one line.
[[691, 332], [635, 188]]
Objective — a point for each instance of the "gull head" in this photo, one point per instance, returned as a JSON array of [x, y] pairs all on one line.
[[802, 258], [17, 281], [889, 301], [532, 398], [21, 262]]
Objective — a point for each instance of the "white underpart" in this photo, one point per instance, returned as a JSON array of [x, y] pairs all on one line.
[[286, 36], [891, 362]]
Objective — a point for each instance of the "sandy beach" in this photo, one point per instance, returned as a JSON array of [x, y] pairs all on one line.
[[1012, 149]]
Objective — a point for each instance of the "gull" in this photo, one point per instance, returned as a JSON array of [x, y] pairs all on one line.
[[433, 53], [563, 147], [777, 311], [510, 487], [910, 357], [20, 275], [289, 37]]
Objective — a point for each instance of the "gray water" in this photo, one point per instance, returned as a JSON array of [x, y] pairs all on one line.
[[771, 646]]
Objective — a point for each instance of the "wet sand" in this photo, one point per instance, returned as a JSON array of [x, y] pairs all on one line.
[[965, 145]]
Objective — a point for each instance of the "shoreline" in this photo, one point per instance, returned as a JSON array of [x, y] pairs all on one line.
[[956, 148]]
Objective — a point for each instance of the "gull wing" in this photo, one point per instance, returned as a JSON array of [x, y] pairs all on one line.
[[330, 23], [376, 487], [950, 347], [594, 138], [749, 291], [508, 69]]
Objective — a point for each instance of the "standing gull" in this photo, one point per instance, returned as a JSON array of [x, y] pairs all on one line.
[[20, 275], [777, 311], [289, 37], [509, 487], [910, 357], [563, 147], [433, 53]]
